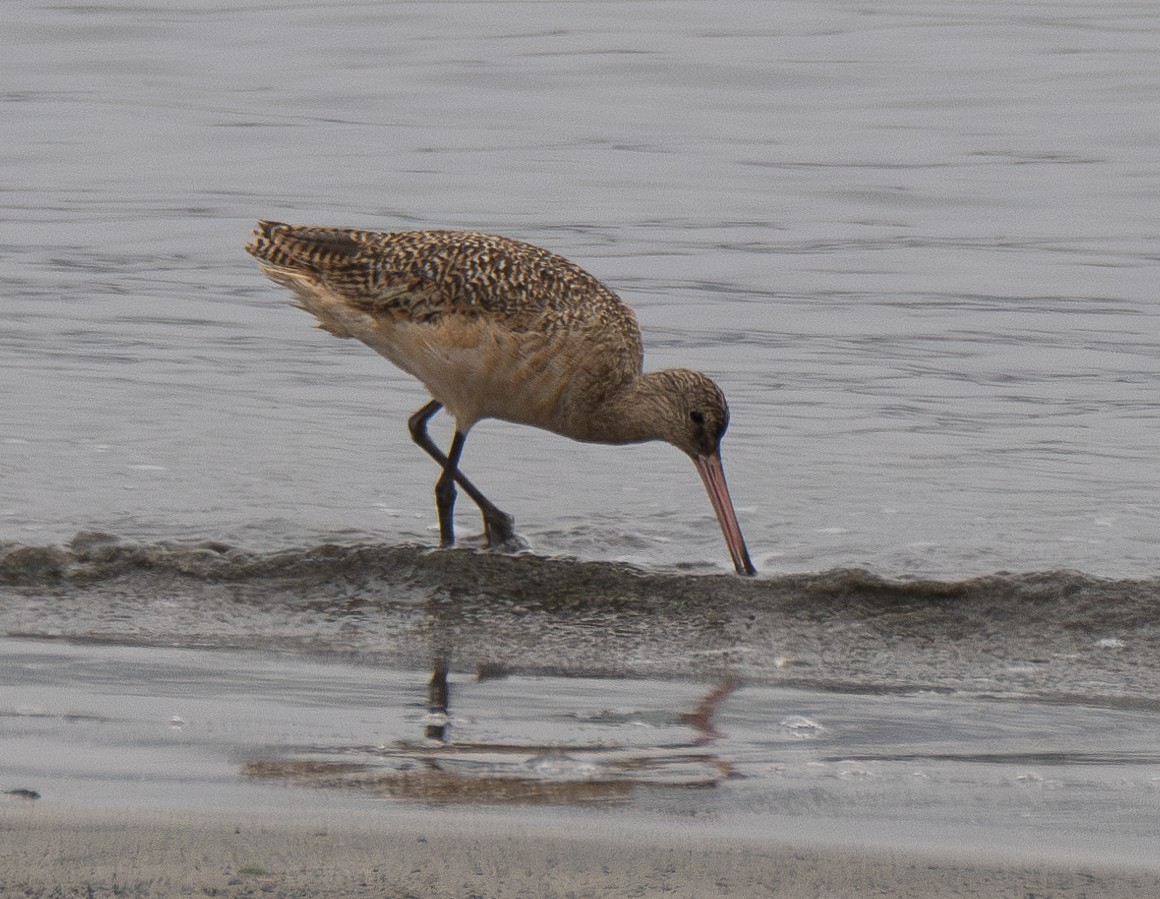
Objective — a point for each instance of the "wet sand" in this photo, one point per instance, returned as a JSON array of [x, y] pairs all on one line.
[[51, 851], [164, 771]]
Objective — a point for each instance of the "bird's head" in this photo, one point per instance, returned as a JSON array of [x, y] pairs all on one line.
[[694, 420], [696, 414]]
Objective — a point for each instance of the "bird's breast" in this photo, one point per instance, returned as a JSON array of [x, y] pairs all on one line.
[[478, 369]]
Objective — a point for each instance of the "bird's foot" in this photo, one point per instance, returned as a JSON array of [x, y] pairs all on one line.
[[501, 533]]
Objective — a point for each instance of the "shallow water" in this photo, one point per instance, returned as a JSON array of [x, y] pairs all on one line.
[[1010, 715], [915, 244], [214, 730], [916, 247]]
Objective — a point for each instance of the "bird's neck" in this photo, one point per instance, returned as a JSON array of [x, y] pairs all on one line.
[[639, 411]]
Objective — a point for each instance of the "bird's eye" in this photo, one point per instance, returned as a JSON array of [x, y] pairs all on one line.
[[698, 417]]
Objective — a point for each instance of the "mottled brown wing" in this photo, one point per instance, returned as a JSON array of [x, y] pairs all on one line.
[[421, 276]]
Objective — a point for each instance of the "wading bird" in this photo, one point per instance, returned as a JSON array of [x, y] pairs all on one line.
[[497, 328]]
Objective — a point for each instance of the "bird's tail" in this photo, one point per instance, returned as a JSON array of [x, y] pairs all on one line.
[[310, 261], [302, 249]]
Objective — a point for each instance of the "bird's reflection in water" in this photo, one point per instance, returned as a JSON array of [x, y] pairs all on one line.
[[438, 716], [441, 770]]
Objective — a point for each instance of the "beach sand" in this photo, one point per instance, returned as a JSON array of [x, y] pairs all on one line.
[[56, 852]]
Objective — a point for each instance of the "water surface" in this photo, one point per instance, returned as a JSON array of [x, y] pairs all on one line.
[[914, 242], [916, 246]]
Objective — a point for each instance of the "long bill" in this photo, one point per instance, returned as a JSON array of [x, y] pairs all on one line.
[[709, 467]]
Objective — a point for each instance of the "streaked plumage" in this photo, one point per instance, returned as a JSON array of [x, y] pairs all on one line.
[[497, 328]]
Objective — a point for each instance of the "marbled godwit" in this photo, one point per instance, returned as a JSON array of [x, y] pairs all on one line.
[[496, 328]]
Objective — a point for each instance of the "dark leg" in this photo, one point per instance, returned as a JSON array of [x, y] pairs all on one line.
[[498, 525], [445, 491]]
